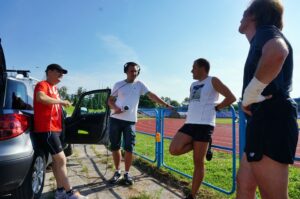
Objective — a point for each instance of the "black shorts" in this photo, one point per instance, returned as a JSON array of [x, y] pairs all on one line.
[[199, 132], [273, 131], [49, 142]]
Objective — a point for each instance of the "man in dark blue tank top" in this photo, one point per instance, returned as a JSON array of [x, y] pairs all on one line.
[[272, 129]]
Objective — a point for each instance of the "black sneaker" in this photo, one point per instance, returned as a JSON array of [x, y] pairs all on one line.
[[116, 178], [190, 196], [209, 153], [128, 179]]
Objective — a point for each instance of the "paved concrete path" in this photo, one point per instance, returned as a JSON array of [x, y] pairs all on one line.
[[88, 172]]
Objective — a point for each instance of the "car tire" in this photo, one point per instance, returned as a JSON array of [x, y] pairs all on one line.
[[32, 186]]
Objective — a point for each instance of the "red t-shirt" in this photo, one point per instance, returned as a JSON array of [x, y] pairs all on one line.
[[47, 117]]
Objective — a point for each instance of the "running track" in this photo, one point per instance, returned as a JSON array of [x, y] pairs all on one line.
[[222, 135]]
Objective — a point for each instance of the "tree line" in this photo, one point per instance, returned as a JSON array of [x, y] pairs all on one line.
[[145, 102]]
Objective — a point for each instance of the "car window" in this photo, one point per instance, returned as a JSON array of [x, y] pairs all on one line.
[[93, 103], [16, 96]]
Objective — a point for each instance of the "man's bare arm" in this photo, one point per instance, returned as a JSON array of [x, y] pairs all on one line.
[[45, 99], [273, 56], [223, 90]]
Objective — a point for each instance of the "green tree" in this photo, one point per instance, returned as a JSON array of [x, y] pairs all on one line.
[[185, 101], [145, 102], [174, 103], [80, 90], [63, 92], [170, 101], [75, 97]]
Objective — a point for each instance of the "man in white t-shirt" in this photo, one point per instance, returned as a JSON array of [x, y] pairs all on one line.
[[124, 102], [196, 133]]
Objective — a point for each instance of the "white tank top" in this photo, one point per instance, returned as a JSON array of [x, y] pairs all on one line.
[[203, 98]]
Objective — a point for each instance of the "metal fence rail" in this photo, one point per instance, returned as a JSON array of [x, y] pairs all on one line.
[[159, 137], [230, 149], [155, 113]]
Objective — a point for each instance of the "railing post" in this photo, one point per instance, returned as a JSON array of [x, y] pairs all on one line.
[[242, 131], [158, 139]]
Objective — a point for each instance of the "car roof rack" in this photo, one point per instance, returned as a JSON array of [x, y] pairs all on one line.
[[22, 72]]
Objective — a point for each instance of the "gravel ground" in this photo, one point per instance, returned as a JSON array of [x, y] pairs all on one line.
[[90, 167]]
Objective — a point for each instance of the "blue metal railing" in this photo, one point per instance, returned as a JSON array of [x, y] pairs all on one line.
[[242, 131], [232, 150], [157, 130], [159, 146]]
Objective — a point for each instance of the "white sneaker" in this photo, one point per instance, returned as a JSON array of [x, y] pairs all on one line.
[[60, 194], [76, 195]]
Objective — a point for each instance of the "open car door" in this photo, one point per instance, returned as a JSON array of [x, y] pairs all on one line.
[[89, 121]]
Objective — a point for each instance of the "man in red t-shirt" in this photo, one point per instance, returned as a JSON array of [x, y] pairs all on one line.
[[48, 127]]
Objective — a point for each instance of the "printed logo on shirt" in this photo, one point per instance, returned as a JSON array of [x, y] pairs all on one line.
[[196, 92]]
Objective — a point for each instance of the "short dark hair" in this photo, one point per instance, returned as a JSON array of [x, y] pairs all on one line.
[[266, 12], [201, 62], [129, 64]]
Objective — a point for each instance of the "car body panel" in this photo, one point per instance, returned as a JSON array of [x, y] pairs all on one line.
[[14, 171]]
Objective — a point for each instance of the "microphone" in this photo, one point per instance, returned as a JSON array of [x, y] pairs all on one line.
[[125, 108]]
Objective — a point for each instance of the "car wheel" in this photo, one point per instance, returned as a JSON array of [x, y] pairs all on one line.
[[33, 184]]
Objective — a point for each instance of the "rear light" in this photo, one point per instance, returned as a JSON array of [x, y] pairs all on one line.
[[13, 125]]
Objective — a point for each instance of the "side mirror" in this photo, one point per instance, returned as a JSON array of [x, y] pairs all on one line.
[[83, 110]]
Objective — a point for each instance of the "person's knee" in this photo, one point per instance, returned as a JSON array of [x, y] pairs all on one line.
[[245, 187], [115, 147], [115, 144], [60, 161], [174, 150], [128, 148]]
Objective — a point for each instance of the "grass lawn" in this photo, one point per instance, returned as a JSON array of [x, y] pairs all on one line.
[[218, 170], [69, 110], [223, 120]]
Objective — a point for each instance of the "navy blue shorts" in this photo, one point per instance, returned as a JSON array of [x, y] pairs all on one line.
[[117, 128], [199, 132], [49, 142], [273, 131]]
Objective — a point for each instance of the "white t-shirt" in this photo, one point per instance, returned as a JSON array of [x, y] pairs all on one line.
[[128, 94], [203, 98]]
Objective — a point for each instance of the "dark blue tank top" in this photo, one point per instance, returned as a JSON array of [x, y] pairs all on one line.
[[282, 84]]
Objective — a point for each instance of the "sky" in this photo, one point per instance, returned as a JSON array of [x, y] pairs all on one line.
[[93, 40]]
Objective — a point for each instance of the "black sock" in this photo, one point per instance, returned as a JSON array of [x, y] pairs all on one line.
[[70, 192], [60, 188]]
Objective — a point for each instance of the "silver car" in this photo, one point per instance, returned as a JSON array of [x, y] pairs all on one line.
[[22, 164]]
